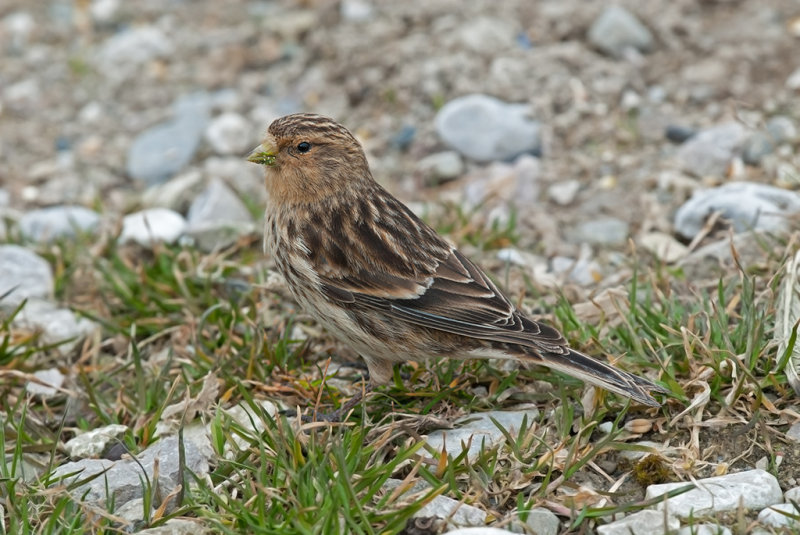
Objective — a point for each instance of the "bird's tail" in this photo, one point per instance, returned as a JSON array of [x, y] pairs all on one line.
[[604, 375]]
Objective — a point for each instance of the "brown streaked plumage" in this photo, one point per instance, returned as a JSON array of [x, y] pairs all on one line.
[[364, 266]]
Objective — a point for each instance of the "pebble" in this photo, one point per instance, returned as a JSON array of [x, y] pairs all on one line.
[[244, 177], [584, 270], [47, 224], [564, 192], [782, 129], [644, 522], [164, 149], [57, 326], [95, 442], [121, 54], [441, 166], [663, 246], [777, 516], [748, 205], [176, 193], [26, 275], [485, 129], [604, 231], [756, 147], [752, 490], [542, 521], [793, 81], [152, 225], [704, 529], [793, 433], [487, 34], [477, 431], [18, 25], [617, 29], [710, 152], [217, 217], [51, 381], [678, 133], [230, 133], [5, 198], [792, 495], [176, 526], [356, 10], [516, 184]]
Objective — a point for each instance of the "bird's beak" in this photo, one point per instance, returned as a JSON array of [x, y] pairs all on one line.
[[265, 153]]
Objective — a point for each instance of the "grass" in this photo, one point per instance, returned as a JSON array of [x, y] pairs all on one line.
[[172, 317]]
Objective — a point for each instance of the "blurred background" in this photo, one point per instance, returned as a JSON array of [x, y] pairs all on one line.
[[587, 123]]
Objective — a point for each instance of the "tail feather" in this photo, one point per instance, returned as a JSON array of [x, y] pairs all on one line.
[[596, 372]]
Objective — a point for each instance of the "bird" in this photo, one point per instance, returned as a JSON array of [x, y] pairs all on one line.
[[384, 282]]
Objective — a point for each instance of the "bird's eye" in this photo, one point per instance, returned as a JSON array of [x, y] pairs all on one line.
[[303, 147]]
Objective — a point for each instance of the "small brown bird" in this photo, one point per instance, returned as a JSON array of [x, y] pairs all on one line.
[[380, 279]]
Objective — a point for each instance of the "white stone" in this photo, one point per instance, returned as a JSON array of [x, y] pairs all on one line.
[[748, 205], [774, 516], [704, 529], [476, 431], [564, 192], [230, 133], [484, 530], [663, 246], [617, 29], [753, 489], [94, 442], [123, 52], [51, 381], [152, 225], [542, 521], [445, 165], [710, 152], [176, 193], [58, 326], [793, 81], [645, 522], [25, 275]]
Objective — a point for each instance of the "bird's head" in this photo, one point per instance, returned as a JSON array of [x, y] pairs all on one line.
[[308, 157]]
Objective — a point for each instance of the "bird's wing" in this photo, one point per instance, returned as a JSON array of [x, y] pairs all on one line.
[[457, 297]]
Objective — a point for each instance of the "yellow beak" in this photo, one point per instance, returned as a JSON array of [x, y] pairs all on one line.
[[265, 153]]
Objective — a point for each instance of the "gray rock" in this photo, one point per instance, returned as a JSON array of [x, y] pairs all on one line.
[[778, 516], [18, 26], [478, 431], [663, 246], [51, 382], [756, 147], [584, 270], [122, 53], [710, 152], [25, 275], [5, 198], [244, 177], [218, 217], [442, 166], [603, 231], [175, 194], [164, 149], [542, 521], [47, 224], [93, 443], [644, 522], [484, 128], [704, 529], [564, 191], [57, 326], [748, 205], [230, 133], [122, 480], [617, 29], [782, 129], [152, 225], [752, 490], [217, 203]]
